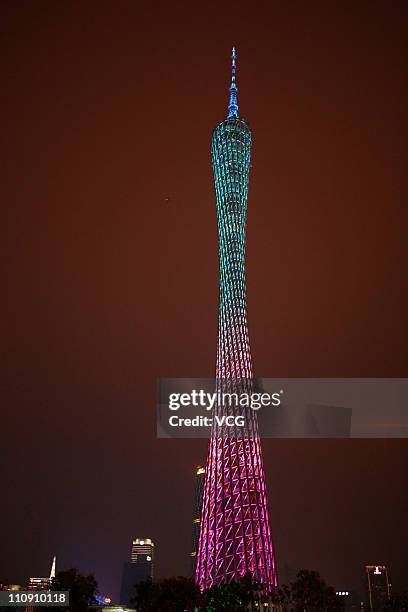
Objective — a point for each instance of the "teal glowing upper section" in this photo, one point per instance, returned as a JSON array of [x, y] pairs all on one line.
[[233, 103]]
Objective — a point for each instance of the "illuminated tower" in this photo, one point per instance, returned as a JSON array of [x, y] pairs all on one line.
[[198, 504], [235, 535]]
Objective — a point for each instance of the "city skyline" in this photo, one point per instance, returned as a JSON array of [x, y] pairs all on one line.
[[110, 262]]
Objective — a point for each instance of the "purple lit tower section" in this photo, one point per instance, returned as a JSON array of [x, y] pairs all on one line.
[[235, 536]]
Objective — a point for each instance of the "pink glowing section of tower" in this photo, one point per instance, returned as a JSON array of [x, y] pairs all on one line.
[[235, 536]]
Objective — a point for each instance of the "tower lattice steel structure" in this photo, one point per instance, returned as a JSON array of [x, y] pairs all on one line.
[[235, 535]]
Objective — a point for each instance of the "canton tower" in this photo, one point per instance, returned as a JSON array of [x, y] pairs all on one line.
[[235, 536]]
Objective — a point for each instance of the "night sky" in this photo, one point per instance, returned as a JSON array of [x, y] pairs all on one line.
[[107, 111]]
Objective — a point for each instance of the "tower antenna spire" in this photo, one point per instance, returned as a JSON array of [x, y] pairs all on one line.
[[233, 103]]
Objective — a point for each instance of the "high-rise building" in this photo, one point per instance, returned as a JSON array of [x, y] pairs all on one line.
[[378, 586], [138, 569], [350, 600], [198, 502], [235, 536], [142, 552]]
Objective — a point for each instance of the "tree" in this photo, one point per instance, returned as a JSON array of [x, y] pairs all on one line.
[[397, 603], [144, 593], [168, 595], [280, 597], [308, 593], [233, 596], [82, 589]]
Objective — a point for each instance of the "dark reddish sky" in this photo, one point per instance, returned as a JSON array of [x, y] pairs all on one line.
[[107, 109]]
